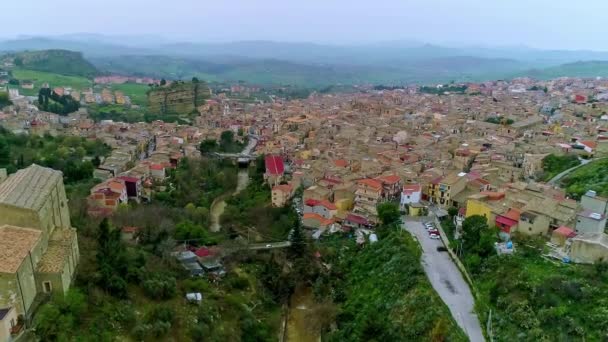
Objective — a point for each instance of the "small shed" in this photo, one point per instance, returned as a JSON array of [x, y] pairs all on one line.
[[561, 234]]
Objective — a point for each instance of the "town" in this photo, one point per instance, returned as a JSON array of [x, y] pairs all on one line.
[[444, 157]]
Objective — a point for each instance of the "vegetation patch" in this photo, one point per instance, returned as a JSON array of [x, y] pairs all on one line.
[[593, 176], [553, 165]]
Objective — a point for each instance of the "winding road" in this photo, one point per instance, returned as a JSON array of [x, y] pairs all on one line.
[[447, 280]]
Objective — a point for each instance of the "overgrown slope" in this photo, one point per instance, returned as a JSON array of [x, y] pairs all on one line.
[[593, 176], [62, 62], [384, 294]]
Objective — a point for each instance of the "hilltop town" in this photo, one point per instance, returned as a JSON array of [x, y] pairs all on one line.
[[445, 157]]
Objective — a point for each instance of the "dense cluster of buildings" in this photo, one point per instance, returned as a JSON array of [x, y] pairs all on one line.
[[480, 151]]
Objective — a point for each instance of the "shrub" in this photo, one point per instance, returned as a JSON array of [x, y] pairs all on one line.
[[160, 287]]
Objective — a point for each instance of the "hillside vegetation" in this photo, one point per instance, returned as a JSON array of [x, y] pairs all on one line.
[[53, 79], [553, 165], [61, 62], [587, 69], [533, 299], [383, 293], [593, 176]]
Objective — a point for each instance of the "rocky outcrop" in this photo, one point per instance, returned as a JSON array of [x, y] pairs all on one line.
[[178, 98]]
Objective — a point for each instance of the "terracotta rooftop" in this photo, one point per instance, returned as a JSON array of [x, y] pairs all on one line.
[[372, 183], [15, 245], [60, 246]]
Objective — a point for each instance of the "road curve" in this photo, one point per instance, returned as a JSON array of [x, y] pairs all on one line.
[[447, 281]]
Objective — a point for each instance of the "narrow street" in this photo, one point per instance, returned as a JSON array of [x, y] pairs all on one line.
[[447, 281]]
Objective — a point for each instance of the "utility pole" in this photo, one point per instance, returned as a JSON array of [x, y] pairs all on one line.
[[489, 327]]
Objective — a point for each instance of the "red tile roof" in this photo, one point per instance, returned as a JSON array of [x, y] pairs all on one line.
[[565, 231], [327, 204], [391, 179], [357, 219], [409, 189], [311, 202], [274, 165], [341, 163], [372, 183]]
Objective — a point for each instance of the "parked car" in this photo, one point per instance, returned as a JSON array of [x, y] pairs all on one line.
[[434, 236], [433, 231]]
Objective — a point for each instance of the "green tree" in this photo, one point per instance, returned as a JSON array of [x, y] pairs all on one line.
[[5, 152], [452, 211], [111, 260], [388, 213], [472, 227], [208, 145], [298, 247], [163, 82], [195, 80]]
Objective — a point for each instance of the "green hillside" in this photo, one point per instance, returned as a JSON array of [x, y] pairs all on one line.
[[53, 79], [61, 62], [587, 69], [593, 176]]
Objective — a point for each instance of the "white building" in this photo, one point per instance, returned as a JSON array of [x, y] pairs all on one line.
[[412, 193]]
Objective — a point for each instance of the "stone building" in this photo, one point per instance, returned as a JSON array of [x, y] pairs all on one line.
[[38, 247]]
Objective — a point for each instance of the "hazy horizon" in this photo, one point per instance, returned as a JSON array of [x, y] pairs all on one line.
[[542, 24]]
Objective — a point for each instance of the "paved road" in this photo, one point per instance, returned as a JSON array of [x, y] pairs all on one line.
[[447, 281], [269, 245]]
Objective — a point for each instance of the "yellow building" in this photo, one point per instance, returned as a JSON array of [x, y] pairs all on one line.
[[442, 190]]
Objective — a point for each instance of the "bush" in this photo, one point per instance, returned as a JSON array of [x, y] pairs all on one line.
[[160, 287], [238, 282]]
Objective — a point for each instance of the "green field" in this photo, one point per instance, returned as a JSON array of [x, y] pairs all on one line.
[[54, 80], [137, 92]]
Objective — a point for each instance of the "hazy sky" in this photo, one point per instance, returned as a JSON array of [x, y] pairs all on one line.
[[568, 24]]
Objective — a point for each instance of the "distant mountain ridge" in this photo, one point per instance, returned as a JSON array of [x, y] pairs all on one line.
[[309, 64]]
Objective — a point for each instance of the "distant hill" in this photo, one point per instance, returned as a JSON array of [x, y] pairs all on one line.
[[63, 62], [588, 69], [300, 63], [276, 71]]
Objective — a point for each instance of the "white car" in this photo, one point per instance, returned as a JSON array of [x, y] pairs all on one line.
[[434, 236]]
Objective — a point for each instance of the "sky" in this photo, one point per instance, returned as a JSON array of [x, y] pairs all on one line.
[[547, 24]]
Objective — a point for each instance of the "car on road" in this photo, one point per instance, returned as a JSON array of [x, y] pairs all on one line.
[[434, 236], [428, 225], [268, 245]]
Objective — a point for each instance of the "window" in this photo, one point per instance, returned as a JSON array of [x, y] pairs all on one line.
[[47, 287]]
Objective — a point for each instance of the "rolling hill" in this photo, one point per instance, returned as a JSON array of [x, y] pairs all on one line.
[[63, 62]]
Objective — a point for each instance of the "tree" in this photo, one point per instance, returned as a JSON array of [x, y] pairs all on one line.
[[298, 242], [452, 211], [195, 80], [96, 161], [163, 82], [208, 145], [472, 228], [388, 213], [111, 260], [5, 152]]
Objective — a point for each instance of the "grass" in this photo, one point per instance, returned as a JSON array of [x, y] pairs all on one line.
[[137, 92], [593, 176], [54, 80], [534, 299]]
